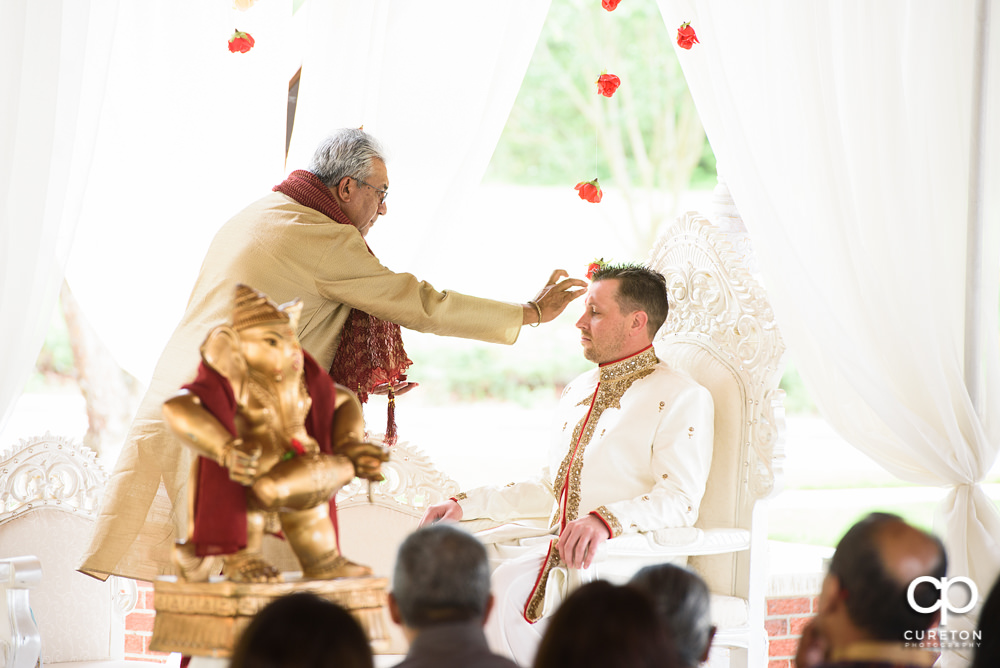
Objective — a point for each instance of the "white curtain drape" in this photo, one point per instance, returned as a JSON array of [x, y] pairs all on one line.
[[54, 57], [434, 82], [194, 133], [843, 129], [189, 134]]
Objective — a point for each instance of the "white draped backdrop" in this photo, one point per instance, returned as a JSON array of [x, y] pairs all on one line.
[[843, 129]]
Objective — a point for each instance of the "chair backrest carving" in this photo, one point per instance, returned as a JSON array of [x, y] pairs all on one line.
[[50, 471], [50, 489], [721, 330]]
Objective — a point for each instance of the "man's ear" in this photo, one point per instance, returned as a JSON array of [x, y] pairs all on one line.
[[394, 609], [489, 608], [639, 320], [831, 595], [344, 190]]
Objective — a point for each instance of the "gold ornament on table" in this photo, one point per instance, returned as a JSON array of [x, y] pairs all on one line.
[[277, 440]]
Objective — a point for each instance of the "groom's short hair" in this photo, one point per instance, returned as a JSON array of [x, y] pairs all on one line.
[[639, 289]]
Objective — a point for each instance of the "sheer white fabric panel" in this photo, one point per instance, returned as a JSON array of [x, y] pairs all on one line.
[[190, 134], [53, 66], [843, 129], [434, 82]]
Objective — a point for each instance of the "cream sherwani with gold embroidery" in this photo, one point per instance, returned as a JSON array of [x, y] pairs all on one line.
[[632, 445], [287, 251]]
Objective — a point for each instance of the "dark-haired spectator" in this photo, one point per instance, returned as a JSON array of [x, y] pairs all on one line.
[[302, 631], [629, 455], [864, 617], [601, 625], [441, 597], [681, 600], [988, 652]]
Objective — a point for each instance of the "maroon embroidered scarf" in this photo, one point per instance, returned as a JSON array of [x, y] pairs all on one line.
[[371, 352]]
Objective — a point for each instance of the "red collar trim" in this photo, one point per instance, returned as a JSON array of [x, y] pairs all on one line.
[[604, 364]]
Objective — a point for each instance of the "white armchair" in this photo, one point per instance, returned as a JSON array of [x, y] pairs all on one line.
[[50, 489]]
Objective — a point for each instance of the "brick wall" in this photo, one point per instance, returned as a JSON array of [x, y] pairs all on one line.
[[139, 628], [786, 617]]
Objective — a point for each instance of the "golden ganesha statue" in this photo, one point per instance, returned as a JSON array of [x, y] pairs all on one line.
[[277, 439]]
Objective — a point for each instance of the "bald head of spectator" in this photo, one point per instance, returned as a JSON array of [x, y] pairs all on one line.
[[864, 606]]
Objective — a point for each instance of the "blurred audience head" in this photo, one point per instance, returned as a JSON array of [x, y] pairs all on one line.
[[865, 593], [302, 631], [442, 575], [680, 598], [602, 625]]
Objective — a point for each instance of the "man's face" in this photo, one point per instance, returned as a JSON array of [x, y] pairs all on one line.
[[603, 326], [370, 204]]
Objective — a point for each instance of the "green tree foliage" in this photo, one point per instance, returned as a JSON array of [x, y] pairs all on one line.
[[646, 141]]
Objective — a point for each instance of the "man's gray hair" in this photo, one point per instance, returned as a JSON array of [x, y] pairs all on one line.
[[347, 152], [442, 575], [681, 600]]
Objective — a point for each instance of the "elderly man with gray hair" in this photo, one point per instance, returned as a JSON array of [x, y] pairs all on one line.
[[441, 597], [304, 240], [681, 601]]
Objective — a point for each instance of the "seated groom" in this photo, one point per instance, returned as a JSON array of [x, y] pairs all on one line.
[[632, 449]]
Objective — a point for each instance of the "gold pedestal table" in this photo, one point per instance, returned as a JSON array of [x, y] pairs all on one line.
[[207, 618]]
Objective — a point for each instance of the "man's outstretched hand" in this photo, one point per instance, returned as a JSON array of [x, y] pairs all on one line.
[[446, 510], [554, 297]]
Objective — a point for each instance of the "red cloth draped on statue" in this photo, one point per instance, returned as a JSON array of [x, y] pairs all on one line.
[[220, 504]]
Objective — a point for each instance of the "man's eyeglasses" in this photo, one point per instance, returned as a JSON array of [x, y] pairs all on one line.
[[382, 193]]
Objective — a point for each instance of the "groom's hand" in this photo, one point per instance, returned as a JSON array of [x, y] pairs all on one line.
[[577, 544], [448, 510]]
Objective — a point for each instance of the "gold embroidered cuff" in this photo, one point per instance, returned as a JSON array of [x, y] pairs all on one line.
[[606, 516], [461, 496]]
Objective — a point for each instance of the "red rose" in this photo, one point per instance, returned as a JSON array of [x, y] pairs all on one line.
[[610, 4], [593, 267], [240, 41], [298, 447], [590, 191], [686, 37], [607, 84]]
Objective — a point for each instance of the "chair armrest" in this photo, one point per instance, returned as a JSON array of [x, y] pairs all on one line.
[[688, 541], [20, 643]]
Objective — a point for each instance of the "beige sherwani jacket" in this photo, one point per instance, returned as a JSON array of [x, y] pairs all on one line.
[[286, 251]]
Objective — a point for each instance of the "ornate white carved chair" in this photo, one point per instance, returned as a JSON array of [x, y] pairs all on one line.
[[49, 493], [721, 331]]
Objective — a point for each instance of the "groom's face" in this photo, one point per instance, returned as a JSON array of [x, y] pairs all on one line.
[[603, 326]]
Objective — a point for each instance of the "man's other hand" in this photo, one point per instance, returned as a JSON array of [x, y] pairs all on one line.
[[554, 297], [398, 388], [577, 544], [447, 510]]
